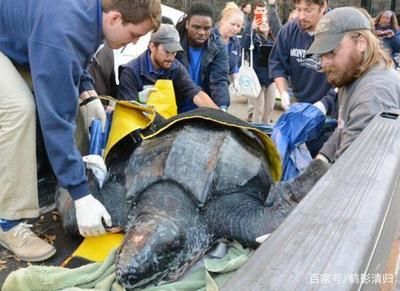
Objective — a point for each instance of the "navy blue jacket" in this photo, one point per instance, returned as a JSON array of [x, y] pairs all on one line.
[[288, 59], [234, 52], [214, 68], [55, 40], [261, 51], [138, 73], [262, 45], [391, 43]]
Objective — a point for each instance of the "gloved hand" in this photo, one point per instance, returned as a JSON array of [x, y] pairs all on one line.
[[322, 158], [235, 81], [143, 95], [97, 165], [320, 106], [285, 100], [89, 212], [92, 108]]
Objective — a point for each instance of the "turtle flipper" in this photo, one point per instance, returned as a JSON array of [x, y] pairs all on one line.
[[66, 209], [238, 216], [294, 190], [244, 217]]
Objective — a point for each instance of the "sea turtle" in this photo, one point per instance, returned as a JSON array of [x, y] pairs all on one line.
[[182, 191]]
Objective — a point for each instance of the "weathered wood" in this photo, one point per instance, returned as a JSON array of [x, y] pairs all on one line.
[[340, 236]]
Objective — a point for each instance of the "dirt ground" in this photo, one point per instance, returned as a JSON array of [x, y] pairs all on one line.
[[239, 108]]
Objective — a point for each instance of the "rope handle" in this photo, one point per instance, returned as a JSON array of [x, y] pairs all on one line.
[[251, 48]]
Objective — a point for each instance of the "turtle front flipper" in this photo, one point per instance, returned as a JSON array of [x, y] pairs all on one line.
[[244, 217], [167, 234], [66, 209]]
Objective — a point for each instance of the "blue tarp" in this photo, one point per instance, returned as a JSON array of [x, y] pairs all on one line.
[[98, 139], [301, 123]]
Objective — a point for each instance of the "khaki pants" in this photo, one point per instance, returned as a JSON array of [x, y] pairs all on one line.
[[18, 192], [263, 105], [18, 178]]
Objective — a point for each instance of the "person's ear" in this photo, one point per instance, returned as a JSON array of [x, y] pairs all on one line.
[[114, 17], [324, 8], [362, 44], [152, 46]]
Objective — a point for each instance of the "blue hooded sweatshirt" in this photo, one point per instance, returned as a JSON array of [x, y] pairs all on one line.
[[55, 41], [288, 59]]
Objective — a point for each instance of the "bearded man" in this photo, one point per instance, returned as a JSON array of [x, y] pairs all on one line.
[[137, 78], [353, 60]]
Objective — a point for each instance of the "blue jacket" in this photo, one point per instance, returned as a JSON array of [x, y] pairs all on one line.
[[234, 52], [55, 40], [391, 43], [288, 59], [214, 68], [139, 72]]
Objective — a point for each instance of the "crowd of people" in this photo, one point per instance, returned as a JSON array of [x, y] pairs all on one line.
[[340, 61]]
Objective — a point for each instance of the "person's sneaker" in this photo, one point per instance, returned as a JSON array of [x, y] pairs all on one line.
[[25, 244]]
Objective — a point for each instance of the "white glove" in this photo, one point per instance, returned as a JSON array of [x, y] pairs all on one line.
[[322, 158], [97, 165], [93, 109], [145, 93], [89, 212], [235, 81], [320, 106], [285, 100]]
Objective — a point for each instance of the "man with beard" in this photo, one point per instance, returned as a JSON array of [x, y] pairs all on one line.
[[204, 54], [158, 62], [288, 61], [354, 61]]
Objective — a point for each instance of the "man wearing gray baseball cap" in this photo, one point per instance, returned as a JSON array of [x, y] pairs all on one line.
[[137, 78], [168, 36], [353, 60]]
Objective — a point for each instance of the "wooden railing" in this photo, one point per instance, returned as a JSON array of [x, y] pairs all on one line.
[[339, 237]]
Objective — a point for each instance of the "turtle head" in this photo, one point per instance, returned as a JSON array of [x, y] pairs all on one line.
[[151, 252]]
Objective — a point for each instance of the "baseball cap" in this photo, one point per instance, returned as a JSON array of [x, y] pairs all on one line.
[[332, 27], [168, 36]]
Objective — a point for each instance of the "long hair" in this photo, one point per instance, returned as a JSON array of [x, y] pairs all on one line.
[[198, 9], [374, 53], [244, 4], [393, 19], [135, 11]]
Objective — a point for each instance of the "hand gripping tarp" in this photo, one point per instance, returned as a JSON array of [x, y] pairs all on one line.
[[301, 123]]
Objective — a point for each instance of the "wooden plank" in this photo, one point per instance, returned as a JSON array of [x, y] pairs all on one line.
[[340, 236], [391, 267]]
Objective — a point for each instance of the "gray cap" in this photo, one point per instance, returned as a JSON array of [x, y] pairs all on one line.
[[332, 27], [168, 36]]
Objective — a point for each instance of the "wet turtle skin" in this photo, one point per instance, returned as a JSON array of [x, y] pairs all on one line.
[[181, 192]]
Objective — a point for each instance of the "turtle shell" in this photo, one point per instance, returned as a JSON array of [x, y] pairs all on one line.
[[205, 160]]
